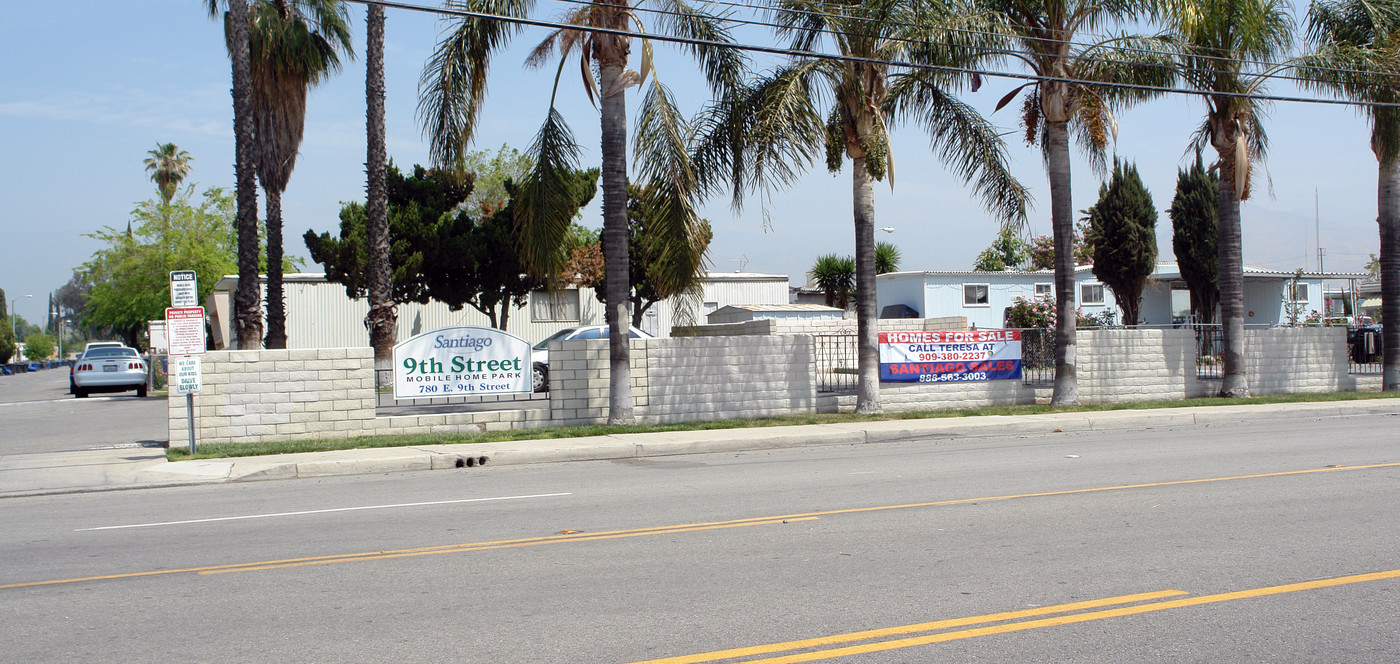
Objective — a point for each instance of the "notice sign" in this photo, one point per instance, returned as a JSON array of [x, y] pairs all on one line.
[[456, 361], [184, 290], [937, 357], [184, 330], [186, 376]]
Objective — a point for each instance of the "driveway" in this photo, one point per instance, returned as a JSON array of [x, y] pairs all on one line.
[[37, 415]]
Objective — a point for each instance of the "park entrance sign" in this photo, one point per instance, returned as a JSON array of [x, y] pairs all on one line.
[[461, 361]]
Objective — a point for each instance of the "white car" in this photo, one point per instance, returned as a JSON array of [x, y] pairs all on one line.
[[539, 355], [108, 369]]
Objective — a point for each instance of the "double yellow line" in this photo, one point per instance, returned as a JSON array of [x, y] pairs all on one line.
[[562, 538], [1139, 603]]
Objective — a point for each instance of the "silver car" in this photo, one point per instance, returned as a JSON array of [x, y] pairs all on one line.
[[108, 369], [539, 355]]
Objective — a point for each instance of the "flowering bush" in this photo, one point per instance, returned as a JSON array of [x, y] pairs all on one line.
[[1039, 313], [1031, 314]]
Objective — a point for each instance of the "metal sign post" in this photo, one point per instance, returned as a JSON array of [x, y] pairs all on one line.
[[187, 379]]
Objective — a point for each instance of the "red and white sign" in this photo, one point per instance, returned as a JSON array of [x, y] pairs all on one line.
[[184, 330]]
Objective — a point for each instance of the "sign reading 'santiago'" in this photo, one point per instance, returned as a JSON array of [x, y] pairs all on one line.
[[458, 361], [936, 357]]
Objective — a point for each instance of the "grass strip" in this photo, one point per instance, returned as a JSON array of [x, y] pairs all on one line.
[[224, 450]]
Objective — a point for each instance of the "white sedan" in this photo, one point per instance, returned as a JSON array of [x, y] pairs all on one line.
[[539, 356], [108, 369]]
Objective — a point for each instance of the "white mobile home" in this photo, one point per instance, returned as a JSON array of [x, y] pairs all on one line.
[[321, 315], [983, 297]]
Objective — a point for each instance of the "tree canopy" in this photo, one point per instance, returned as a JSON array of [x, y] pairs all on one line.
[[1123, 231], [1194, 212], [130, 277], [1007, 252], [439, 250]]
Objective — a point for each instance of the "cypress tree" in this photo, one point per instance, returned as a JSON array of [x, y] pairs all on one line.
[[1123, 231], [1194, 228]]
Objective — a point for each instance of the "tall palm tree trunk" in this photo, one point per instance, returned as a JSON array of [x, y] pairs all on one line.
[[867, 327], [1388, 205], [381, 319], [276, 305], [1230, 270], [615, 259], [1066, 391], [246, 298]]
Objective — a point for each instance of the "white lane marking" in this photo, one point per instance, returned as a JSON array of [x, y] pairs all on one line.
[[325, 511], [69, 400]]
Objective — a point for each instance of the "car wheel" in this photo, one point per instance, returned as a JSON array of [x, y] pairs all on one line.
[[141, 391], [72, 388], [539, 377], [80, 392]]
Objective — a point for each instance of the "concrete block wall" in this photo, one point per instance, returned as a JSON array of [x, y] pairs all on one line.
[[844, 326], [579, 384], [262, 395], [1296, 359], [721, 378], [1117, 366]]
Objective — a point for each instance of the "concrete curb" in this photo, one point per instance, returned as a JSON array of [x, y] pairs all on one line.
[[641, 445]]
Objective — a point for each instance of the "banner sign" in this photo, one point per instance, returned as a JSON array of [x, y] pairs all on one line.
[[937, 357], [459, 361]]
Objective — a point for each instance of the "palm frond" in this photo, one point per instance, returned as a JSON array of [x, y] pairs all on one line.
[[547, 202], [725, 68], [964, 141], [452, 86]]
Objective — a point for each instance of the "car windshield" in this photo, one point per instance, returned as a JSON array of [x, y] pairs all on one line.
[[544, 345], [100, 353]]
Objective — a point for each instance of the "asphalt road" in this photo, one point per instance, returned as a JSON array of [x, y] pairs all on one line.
[[1182, 544], [38, 415]]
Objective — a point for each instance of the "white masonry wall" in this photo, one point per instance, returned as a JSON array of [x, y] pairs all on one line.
[[267, 395]]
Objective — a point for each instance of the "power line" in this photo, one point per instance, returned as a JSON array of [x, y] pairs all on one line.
[[773, 50]]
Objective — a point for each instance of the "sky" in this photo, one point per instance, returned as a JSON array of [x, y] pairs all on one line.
[[90, 86]]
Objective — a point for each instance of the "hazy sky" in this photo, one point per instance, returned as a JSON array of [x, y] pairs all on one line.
[[90, 86]]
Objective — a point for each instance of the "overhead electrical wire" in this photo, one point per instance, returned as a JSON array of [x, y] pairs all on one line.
[[773, 50]]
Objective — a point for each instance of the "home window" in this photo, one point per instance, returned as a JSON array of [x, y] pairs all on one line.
[[1045, 290], [1091, 293], [975, 295], [1298, 292], [559, 306]]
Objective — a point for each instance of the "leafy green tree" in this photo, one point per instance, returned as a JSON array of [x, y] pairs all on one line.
[[844, 109], [1067, 64], [1194, 213], [453, 87], [168, 166], [1357, 56], [38, 347], [493, 171], [1123, 231], [439, 251], [1007, 252], [887, 258], [835, 276], [130, 277], [1225, 51]]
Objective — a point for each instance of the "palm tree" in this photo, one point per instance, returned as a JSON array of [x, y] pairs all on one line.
[[293, 45], [381, 319], [1222, 45], [835, 276], [247, 307], [1357, 57], [1072, 94], [886, 258], [168, 166], [845, 107], [453, 88]]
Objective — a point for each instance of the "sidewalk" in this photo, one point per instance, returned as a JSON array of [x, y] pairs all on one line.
[[133, 468]]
